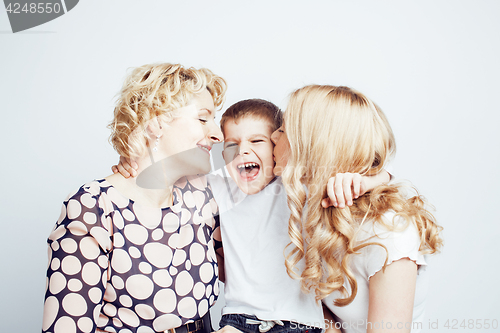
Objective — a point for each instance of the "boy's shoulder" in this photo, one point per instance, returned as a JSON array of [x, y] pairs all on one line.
[[226, 192]]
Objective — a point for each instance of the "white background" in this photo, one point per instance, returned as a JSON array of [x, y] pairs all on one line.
[[433, 67]]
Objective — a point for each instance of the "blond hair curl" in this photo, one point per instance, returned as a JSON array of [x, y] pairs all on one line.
[[332, 130], [157, 90]]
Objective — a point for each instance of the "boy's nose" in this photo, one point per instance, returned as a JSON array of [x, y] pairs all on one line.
[[244, 151]]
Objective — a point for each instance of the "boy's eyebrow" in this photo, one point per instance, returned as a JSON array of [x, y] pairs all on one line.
[[258, 135], [250, 138]]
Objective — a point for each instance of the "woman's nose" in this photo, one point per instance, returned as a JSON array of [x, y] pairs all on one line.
[[215, 134]]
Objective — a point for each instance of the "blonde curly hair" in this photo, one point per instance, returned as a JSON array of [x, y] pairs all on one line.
[[331, 130], [157, 90]]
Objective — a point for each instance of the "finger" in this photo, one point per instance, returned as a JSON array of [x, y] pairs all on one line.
[[330, 190], [347, 187], [356, 185], [132, 171], [125, 162], [129, 166], [326, 202], [134, 166], [339, 191], [123, 171]]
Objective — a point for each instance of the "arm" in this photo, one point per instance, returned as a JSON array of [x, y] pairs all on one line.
[[219, 250], [75, 287], [330, 321], [220, 262], [391, 295], [344, 187], [383, 177]]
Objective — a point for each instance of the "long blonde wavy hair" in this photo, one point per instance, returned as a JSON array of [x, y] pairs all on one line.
[[332, 130], [157, 90]]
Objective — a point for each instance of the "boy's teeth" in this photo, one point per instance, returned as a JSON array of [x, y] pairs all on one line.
[[247, 165]]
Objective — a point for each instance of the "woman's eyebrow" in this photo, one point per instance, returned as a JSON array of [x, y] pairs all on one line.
[[206, 110]]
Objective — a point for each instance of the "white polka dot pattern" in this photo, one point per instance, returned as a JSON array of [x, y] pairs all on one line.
[[121, 267]]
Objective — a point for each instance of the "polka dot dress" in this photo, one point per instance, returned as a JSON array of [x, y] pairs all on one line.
[[122, 267]]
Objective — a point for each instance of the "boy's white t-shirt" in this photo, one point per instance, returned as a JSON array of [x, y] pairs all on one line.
[[254, 231]]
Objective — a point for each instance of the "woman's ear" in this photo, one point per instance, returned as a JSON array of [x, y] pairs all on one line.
[[154, 133], [154, 128]]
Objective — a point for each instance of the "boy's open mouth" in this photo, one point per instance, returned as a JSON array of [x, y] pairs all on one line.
[[248, 171]]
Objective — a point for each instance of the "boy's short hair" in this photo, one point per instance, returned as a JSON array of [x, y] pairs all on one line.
[[254, 107]]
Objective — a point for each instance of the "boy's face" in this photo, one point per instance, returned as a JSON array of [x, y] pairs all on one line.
[[248, 153]]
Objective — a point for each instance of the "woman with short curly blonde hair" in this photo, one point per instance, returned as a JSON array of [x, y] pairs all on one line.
[[138, 253], [366, 262], [157, 90]]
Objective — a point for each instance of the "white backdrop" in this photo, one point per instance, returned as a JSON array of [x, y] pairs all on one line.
[[433, 67]]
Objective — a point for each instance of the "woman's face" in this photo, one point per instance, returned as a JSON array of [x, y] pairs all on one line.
[[188, 138], [281, 150]]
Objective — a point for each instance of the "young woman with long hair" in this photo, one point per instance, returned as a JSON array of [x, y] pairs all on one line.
[[365, 262]]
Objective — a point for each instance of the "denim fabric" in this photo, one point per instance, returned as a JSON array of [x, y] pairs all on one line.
[[239, 321]]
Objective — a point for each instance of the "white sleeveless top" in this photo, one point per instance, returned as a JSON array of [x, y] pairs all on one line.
[[400, 244]]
